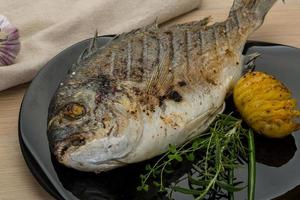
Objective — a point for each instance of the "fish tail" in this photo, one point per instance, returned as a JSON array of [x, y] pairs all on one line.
[[262, 7], [257, 8]]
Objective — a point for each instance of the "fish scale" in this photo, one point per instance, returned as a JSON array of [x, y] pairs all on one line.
[[148, 88]]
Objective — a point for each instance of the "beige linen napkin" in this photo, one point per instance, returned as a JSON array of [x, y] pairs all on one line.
[[49, 26]]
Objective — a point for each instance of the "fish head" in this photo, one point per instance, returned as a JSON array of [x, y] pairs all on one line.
[[92, 129]]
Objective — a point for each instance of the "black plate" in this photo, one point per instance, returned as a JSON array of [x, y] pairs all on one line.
[[278, 160]]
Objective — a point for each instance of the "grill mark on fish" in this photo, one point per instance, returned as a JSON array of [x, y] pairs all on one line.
[[137, 69], [179, 47], [211, 40], [156, 52], [174, 47], [123, 63], [141, 60], [236, 19], [112, 62], [193, 49], [171, 47], [200, 41], [117, 59], [145, 51], [216, 38], [216, 42], [227, 34], [152, 55], [159, 51], [187, 42], [129, 60]]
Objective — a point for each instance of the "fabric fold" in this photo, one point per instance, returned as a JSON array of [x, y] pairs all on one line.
[[48, 27]]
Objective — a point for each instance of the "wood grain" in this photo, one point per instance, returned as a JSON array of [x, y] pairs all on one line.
[[16, 181], [282, 25]]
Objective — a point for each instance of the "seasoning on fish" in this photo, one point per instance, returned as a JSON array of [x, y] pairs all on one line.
[[146, 89]]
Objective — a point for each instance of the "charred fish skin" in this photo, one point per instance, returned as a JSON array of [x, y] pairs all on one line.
[[146, 89]]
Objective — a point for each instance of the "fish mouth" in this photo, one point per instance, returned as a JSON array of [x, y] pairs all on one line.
[[64, 142]]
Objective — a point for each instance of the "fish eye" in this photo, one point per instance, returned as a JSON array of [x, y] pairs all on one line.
[[74, 111]]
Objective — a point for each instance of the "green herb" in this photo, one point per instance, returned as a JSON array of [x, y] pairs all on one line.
[[213, 156], [230, 182], [251, 166]]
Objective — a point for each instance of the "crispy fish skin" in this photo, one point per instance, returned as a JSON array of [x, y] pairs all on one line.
[[149, 88]]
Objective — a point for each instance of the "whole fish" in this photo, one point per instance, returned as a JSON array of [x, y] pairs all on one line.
[[146, 89]]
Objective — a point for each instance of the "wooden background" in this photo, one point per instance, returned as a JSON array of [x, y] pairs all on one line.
[[282, 25]]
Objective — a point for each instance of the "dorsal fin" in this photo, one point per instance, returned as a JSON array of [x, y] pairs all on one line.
[[151, 27], [260, 7], [90, 50], [205, 21], [93, 44], [190, 25]]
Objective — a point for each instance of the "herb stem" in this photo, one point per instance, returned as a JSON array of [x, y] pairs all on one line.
[[213, 157], [211, 183], [251, 166], [230, 182], [219, 165]]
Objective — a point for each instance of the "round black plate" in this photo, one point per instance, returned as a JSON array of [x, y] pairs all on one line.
[[278, 174]]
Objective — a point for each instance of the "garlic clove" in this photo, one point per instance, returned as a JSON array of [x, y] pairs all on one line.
[[9, 42]]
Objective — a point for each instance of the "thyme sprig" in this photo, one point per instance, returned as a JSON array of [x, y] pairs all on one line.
[[213, 156]]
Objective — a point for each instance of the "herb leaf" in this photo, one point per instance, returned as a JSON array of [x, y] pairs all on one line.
[[213, 156]]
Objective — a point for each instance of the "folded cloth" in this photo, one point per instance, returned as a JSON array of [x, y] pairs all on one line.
[[47, 27]]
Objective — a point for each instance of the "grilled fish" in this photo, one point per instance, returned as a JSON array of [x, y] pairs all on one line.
[[127, 101]]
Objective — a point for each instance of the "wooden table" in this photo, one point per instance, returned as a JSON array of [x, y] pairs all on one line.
[[282, 25]]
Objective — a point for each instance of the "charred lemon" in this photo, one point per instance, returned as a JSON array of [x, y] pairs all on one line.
[[266, 105]]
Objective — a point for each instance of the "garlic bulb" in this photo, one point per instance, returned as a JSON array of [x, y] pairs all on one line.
[[9, 42]]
